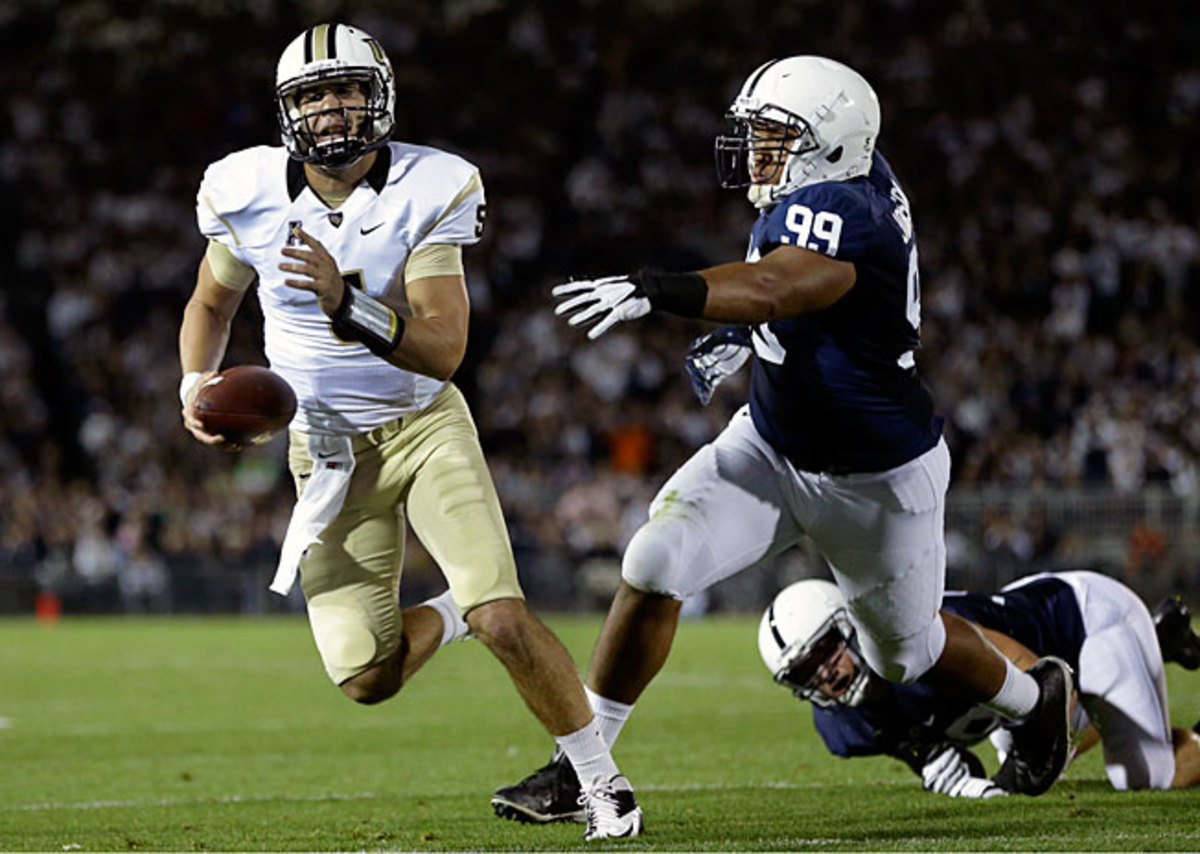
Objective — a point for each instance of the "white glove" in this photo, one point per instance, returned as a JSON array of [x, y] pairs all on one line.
[[613, 299], [947, 774], [715, 356], [1002, 740], [977, 787]]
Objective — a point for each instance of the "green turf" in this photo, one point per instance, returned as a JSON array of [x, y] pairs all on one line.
[[224, 734]]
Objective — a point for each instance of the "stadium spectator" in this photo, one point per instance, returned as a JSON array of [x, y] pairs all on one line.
[[1059, 261]]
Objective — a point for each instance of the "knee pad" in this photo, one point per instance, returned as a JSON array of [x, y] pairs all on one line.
[[653, 559], [345, 641], [904, 660]]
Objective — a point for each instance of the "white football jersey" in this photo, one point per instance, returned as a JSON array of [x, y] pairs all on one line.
[[414, 196]]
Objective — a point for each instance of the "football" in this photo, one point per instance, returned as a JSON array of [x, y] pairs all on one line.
[[248, 405]]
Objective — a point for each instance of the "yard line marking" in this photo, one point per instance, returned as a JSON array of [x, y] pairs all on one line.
[[358, 796], [175, 802], [362, 796], [770, 784]]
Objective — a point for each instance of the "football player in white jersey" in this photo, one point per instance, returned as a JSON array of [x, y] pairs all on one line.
[[356, 244]]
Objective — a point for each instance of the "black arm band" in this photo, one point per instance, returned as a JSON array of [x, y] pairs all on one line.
[[366, 320], [678, 293]]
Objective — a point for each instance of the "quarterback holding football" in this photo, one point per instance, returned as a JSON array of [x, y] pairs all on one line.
[[355, 242]]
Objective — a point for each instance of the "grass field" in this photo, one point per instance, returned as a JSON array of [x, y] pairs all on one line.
[[224, 734]]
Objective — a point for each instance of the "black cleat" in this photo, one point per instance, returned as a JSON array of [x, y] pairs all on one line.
[[551, 793], [1041, 743], [1173, 625]]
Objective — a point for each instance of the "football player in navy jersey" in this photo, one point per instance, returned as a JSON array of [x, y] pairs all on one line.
[[1099, 625], [839, 441]]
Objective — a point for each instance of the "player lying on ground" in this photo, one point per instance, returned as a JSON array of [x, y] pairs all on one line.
[[1099, 625], [1096, 623]]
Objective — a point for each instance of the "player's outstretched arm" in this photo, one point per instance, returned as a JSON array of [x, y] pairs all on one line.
[[785, 283]]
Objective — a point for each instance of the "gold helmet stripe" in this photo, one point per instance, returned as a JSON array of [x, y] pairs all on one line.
[[320, 42]]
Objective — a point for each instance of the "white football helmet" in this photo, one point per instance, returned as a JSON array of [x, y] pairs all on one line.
[[804, 627], [335, 52], [831, 118]]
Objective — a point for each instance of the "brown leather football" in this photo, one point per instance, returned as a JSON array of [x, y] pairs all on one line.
[[246, 404]]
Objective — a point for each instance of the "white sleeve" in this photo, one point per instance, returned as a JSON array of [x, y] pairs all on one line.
[[461, 221], [217, 203]]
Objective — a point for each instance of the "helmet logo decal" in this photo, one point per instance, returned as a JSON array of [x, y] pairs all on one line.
[[380, 57]]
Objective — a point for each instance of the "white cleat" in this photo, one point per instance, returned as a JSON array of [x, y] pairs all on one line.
[[611, 809]]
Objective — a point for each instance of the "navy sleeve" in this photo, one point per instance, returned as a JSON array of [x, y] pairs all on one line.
[[846, 732]]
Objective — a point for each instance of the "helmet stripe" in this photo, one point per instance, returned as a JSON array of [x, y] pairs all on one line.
[[320, 42], [308, 40], [758, 76], [774, 628], [332, 38]]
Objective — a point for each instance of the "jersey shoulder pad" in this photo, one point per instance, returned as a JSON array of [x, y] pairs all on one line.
[[237, 190], [446, 191], [833, 217]]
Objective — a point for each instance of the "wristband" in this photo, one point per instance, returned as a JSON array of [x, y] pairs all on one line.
[[187, 384], [367, 320], [684, 294]]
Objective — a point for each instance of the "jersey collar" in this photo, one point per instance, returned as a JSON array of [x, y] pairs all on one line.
[[376, 177]]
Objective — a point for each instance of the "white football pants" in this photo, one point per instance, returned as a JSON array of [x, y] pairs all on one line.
[[738, 501], [1121, 682]]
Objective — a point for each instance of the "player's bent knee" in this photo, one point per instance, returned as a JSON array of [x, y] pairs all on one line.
[[650, 564], [904, 660], [380, 683], [500, 623]]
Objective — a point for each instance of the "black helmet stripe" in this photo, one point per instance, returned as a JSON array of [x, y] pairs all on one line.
[[320, 42], [774, 628], [758, 76]]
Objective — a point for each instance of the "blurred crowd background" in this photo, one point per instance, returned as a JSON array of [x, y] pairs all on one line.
[[1044, 147]]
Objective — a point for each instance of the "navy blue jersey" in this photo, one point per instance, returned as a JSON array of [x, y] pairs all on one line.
[[1043, 615], [837, 390]]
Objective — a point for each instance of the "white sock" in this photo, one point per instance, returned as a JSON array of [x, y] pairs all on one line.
[[610, 715], [453, 624], [588, 754], [1017, 696]]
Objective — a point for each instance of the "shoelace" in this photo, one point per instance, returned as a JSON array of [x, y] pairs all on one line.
[[600, 805]]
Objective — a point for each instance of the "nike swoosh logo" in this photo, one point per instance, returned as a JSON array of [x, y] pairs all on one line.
[[365, 231], [321, 456]]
